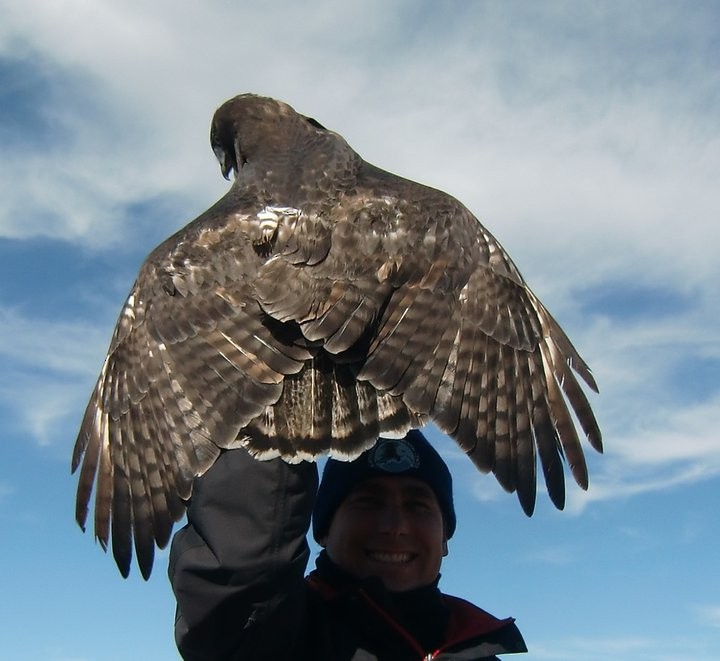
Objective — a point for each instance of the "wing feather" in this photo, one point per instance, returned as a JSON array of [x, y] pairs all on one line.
[[498, 423], [184, 374], [120, 509], [526, 479]]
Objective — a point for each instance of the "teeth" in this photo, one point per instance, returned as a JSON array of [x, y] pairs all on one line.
[[393, 558]]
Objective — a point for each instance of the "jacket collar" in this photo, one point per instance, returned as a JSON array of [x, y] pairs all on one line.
[[469, 628]]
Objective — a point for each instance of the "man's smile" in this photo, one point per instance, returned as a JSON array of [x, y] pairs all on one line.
[[390, 558]]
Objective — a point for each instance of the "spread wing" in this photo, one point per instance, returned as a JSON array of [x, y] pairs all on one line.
[[444, 321], [195, 365], [190, 362], [321, 303]]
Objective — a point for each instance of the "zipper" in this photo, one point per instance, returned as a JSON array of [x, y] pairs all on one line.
[[396, 626]]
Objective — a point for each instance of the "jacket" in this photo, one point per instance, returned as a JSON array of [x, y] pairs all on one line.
[[238, 573]]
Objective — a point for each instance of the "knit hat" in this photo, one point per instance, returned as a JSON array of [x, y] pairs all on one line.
[[411, 456]]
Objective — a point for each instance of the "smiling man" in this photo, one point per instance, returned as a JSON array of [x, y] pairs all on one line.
[[391, 528], [384, 521], [381, 516]]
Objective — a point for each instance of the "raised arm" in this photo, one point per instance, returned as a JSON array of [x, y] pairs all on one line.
[[237, 568]]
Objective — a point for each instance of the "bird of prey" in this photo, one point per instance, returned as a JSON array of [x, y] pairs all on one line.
[[321, 303]]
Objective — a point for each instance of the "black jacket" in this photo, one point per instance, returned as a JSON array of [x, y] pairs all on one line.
[[238, 572]]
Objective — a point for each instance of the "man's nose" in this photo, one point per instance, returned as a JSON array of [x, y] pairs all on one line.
[[393, 519]]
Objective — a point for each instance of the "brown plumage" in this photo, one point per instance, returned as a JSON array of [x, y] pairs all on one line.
[[320, 303]]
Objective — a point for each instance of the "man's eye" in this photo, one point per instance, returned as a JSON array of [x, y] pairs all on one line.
[[365, 501]]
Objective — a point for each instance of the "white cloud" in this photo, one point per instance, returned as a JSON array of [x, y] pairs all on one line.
[[615, 482], [55, 346], [681, 446], [48, 373], [576, 186], [6, 489], [44, 409], [637, 648], [687, 435], [658, 402], [585, 135], [558, 556], [581, 156], [710, 615]]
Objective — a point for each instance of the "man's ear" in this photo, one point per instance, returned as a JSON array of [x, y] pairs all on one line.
[[444, 547]]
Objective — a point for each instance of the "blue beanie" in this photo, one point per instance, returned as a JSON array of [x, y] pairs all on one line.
[[411, 456]]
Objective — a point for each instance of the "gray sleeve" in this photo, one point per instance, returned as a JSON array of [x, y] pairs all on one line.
[[237, 568]]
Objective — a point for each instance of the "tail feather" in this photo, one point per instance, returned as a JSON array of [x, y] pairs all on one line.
[[324, 410]]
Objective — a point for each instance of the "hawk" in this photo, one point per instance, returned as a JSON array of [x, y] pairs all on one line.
[[321, 303]]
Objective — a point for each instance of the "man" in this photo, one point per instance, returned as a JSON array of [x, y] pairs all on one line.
[[238, 567]]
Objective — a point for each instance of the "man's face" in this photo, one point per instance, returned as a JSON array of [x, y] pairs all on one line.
[[392, 528]]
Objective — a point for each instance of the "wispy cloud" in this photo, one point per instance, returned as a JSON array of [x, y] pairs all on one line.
[[637, 648], [56, 346], [557, 556], [710, 615], [579, 164], [41, 409], [585, 135], [678, 447], [576, 187], [48, 368], [6, 489]]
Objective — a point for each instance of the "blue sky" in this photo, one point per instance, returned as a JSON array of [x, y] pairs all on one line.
[[585, 135]]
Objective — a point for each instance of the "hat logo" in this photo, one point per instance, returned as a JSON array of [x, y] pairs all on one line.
[[394, 456]]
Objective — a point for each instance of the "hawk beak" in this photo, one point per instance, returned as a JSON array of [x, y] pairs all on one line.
[[227, 163]]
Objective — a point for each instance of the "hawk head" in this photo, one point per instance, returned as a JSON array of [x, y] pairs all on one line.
[[248, 128]]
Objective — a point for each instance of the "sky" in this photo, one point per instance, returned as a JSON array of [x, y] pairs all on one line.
[[585, 136]]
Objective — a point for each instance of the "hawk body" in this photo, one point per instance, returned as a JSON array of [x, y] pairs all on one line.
[[320, 303]]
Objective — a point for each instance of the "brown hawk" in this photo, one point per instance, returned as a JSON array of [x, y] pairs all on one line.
[[320, 303]]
